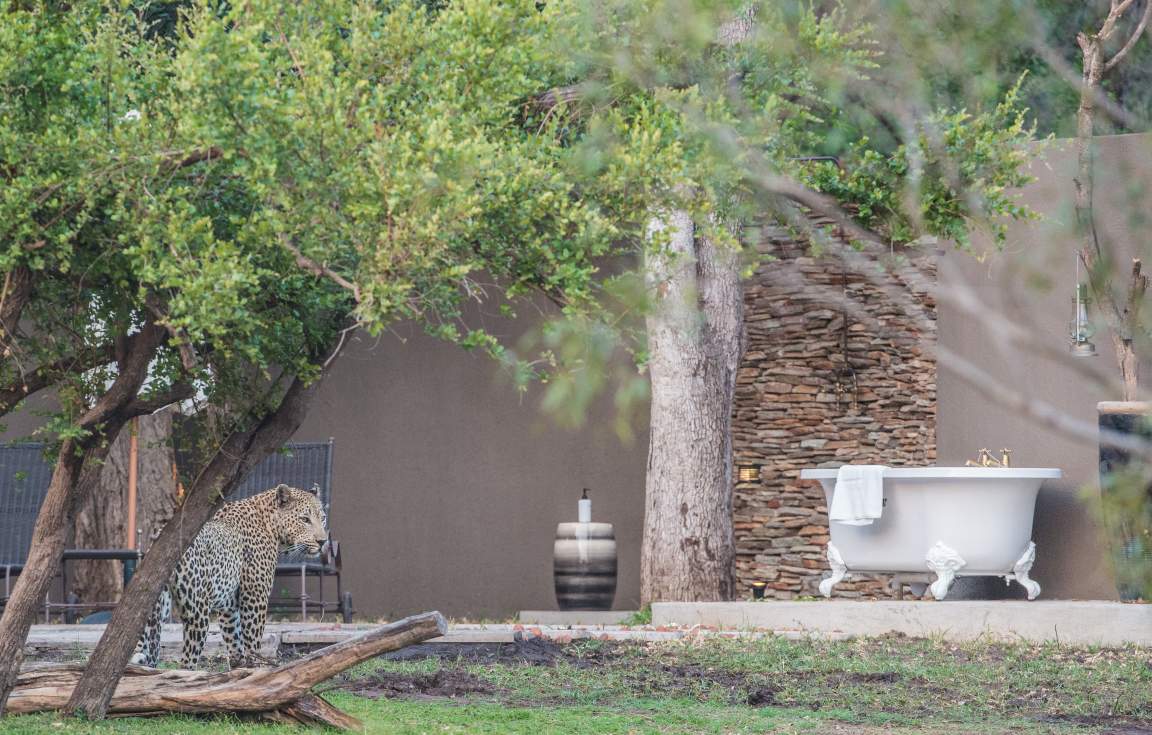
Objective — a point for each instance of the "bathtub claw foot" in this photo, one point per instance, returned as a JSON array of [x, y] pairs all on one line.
[[945, 562], [839, 569], [1021, 569]]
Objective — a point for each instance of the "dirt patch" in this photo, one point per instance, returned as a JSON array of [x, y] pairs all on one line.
[[881, 677], [532, 651], [448, 683], [763, 696]]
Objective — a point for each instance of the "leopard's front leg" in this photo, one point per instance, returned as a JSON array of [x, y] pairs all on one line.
[[255, 588]]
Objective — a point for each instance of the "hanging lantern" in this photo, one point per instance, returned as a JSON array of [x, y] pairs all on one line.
[[1081, 331]]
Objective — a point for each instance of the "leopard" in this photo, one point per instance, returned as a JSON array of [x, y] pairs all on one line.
[[229, 569]]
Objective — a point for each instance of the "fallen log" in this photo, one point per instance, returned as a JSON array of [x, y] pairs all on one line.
[[279, 694]]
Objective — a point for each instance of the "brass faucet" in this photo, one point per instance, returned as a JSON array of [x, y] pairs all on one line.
[[985, 459]]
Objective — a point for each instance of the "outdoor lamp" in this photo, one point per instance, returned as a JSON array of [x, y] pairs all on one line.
[[758, 590], [748, 473], [1081, 330]]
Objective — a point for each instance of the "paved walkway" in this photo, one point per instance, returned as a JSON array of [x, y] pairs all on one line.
[[73, 641], [1074, 622]]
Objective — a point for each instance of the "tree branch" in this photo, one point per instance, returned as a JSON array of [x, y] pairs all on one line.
[[16, 293], [179, 337], [143, 406], [132, 371], [1137, 287], [317, 269], [1119, 55], [1115, 10], [47, 375], [176, 163]]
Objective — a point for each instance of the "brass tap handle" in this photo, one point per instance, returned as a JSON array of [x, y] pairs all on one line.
[[1006, 457], [983, 459]]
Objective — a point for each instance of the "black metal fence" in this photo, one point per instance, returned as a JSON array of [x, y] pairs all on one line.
[[24, 479]]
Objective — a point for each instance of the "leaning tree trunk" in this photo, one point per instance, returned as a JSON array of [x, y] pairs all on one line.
[[695, 339], [239, 453]]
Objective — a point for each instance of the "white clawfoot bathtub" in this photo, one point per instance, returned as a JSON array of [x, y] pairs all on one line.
[[953, 521]]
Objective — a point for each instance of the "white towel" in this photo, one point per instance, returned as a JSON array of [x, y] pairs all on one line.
[[859, 495]]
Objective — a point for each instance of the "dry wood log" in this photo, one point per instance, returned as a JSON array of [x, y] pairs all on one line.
[[280, 694]]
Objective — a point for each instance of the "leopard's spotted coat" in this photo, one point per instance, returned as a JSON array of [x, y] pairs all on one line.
[[229, 569]]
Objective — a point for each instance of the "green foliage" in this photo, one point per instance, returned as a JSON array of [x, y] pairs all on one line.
[[744, 111], [642, 616], [261, 176], [962, 167], [717, 123]]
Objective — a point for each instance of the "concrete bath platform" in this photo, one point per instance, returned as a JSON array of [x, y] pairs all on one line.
[[1064, 621]]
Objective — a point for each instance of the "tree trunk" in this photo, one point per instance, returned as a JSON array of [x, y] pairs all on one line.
[[281, 694], [695, 339], [102, 518], [1129, 362], [156, 498], [239, 453], [1093, 58]]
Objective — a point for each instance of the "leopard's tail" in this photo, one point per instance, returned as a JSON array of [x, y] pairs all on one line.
[[148, 649]]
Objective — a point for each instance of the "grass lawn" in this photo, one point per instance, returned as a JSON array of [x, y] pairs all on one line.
[[857, 687]]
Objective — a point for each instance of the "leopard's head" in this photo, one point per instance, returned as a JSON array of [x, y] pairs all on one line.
[[300, 524]]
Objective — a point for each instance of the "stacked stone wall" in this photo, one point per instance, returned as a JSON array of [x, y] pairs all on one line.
[[834, 371]]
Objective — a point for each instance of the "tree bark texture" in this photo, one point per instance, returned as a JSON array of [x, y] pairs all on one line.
[[695, 339], [280, 694], [157, 487], [103, 421], [102, 518], [240, 452]]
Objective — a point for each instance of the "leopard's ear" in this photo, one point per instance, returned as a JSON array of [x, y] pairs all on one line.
[[283, 497], [315, 489]]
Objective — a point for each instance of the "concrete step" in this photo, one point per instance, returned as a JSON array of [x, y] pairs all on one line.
[[1060, 621], [576, 617]]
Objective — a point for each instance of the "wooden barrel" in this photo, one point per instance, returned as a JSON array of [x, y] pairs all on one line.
[[584, 564]]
